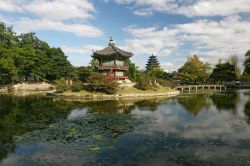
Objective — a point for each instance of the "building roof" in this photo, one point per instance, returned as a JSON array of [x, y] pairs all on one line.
[[111, 51]]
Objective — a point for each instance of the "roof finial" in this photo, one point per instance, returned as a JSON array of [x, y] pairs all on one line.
[[111, 41]]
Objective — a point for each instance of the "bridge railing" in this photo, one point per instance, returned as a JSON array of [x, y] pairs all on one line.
[[190, 87]]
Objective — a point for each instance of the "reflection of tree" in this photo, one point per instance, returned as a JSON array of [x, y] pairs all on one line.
[[148, 105], [247, 110], [21, 114], [226, 101], [193, 104]]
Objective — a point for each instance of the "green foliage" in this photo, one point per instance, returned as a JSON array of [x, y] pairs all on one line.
[[157, 72], [146, 83], [77, 86], [167, 83], [152, 63], [245, 77], [194, 71], [84, 72], [8, 71], [223, 72], [100, 83], [247, 63], [133, 72], [234, 61], [26, 58], [61, 85]]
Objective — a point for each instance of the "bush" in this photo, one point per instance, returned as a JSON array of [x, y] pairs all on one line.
[[61, 85], [146, 83], [100, 83], [167, 83], [77, 86]]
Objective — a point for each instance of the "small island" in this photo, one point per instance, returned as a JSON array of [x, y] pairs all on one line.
[[110, 80]]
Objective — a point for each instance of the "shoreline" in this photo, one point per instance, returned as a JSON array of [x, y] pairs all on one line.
[[113, 96]]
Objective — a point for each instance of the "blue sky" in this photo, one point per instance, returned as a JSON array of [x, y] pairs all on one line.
[[171, 29]]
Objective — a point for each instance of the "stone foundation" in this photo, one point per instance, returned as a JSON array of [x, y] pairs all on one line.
[[126, 83], [32, 87]]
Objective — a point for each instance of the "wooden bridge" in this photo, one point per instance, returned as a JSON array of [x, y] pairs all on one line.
[[196, 87]]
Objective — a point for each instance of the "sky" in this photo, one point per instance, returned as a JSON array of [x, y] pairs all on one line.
[[170, 29]]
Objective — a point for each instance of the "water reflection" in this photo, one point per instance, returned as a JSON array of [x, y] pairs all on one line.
[[187, 130], [247, 111], [193, 104], [227, 101]]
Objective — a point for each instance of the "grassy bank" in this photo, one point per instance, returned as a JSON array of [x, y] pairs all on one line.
[[128, 92]]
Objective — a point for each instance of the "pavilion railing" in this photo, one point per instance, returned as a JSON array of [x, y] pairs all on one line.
[[113, 67]]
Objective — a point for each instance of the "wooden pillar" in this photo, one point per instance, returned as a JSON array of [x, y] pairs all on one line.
[[189, 88]]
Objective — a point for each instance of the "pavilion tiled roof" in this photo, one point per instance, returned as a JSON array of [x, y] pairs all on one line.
[[112, 50]]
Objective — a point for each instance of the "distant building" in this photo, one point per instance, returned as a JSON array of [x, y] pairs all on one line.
[[112, 61], [152, 63]]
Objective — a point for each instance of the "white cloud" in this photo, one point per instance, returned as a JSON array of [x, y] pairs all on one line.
[[84, 49], [81, 30], [61, 9], [9, 6], [216, 8], [189, 7], [150, 40], [56, 15], [213, 39], [51, 9], [169, 67]]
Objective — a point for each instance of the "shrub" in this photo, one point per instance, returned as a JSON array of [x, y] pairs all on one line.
[[61, 85], [77, 86], [146, 83], [167, 83], [100, 83]]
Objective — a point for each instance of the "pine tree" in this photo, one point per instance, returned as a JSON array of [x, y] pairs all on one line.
[[152, 63]]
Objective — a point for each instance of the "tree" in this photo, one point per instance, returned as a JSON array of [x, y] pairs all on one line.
[[26, 58], [194, 71], [133, 71], [152, 63], [247, 63], [146, 83], [157, 72], [8, 71], [233, 59], [100, 83], [223, 72], [84, 72]]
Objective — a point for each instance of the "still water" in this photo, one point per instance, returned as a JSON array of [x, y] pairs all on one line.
[[198, 129]]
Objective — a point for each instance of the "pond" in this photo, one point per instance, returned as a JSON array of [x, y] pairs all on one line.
[[190, 129]]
